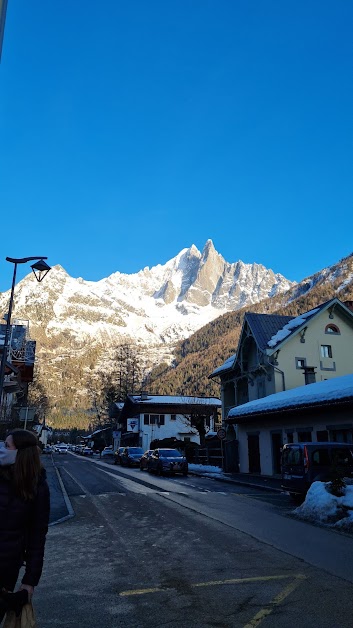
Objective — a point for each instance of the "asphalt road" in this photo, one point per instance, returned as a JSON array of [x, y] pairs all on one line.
[[187, 552]]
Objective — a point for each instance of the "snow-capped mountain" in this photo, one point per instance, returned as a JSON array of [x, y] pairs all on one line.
[[78, 324], [156, 306]]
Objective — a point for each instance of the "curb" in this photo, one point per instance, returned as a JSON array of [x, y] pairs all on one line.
[[66, 500], [240, 482]]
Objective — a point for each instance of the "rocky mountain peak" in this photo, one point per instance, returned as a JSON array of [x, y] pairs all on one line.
[[153, 308]]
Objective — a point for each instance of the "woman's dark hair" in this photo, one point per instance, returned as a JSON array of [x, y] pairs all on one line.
[[28, 466]]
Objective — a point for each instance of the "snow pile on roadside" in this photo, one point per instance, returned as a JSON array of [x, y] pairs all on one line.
[[205, 469], [321, 506]]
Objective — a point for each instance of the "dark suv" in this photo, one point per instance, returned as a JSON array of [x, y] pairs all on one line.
[[131, 456], [167, 461], [305, 463]]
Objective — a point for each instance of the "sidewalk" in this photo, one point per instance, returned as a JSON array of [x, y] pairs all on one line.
[[60, 506], [264, 482]]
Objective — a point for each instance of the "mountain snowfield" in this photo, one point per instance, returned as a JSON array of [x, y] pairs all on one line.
[[155, 307], [79, 325]]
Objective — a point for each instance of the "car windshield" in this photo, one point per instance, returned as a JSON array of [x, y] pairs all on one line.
[[170, 453], [135, 450]]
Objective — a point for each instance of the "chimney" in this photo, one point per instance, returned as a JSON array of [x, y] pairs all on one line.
[[348, 304], [309, 374], [143, 395]]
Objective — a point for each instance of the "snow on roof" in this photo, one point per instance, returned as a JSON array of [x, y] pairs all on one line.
[[225, 366], [169, 400], [288, 328], [328, 390]]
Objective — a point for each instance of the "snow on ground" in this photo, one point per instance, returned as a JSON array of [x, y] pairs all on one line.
[[323, 507], [205, 469]]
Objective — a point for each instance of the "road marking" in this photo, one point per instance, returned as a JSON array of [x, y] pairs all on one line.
[[133, 486], [83, 489], [211, 583], [267, 610]]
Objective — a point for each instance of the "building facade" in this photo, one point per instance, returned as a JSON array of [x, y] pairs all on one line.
[[318, 412], [277, 353], [145, 418]]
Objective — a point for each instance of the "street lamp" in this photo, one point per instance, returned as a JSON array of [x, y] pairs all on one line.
[[40, 270]]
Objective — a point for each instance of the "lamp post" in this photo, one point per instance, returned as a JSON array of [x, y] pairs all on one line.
[[40, 269]]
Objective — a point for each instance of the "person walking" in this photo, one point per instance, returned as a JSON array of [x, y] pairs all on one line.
[[24, 511]]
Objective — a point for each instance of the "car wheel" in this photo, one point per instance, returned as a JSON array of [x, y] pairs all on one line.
[[185, 474], [141, 467], [159, 470]]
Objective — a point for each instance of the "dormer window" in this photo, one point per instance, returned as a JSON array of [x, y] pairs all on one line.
[[332, 329]]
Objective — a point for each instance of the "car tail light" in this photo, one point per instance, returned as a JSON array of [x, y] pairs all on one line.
[[306, 460]]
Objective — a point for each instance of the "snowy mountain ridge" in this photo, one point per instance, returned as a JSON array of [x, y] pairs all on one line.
[[156, 306]]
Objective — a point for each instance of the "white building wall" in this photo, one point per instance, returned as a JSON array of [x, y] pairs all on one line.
[[179, 428], [243, 450], [266, 452]]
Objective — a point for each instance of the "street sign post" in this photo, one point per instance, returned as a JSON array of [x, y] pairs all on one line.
[[221, 433], [27, 414]]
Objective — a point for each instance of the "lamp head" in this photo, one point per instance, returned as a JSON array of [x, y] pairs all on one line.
[[40, 269]]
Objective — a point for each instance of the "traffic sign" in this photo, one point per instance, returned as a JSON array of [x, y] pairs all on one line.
[[27, 414], [221, 433]]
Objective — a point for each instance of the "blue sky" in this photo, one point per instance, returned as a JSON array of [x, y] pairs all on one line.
[[131, 130]]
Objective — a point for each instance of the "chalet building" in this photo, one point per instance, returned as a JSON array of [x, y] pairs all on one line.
[[281, 353], [145, 418], [316, 412], [277, 353]]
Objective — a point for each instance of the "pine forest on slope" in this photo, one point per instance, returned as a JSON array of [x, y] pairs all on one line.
[[197, 356], [186, 313]]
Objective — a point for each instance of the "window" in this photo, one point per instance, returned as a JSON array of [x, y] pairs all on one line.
[[332, 329], [342, 457], [320, 458], [292, 455], [300, 363], [173, 417], [326, 351], [322, 436], [304, 437], [153, 419]]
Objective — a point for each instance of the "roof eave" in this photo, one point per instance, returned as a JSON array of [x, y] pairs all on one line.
[[244, 418]]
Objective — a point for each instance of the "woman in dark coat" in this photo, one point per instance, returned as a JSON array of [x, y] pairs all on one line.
[[24, 511]]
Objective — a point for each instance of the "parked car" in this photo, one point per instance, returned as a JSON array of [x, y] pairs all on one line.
[[305, 463], [87, 451], [46, 449], [145, 458], [131, 456], [107, 451], [117, 455], [167, 461]]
